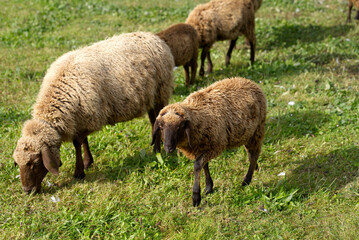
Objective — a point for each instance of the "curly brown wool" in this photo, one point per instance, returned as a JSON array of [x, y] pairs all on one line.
[[183, 41], [224, 20], [227, 114]]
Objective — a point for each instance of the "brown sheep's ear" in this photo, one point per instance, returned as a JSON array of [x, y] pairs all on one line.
[[51, 163], [187, 130], [156, 128]]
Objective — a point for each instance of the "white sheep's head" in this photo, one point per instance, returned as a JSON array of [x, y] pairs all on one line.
[[174, 126], [36, 153]]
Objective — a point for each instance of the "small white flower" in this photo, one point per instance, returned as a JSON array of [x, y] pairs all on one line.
[[297, 10], [18, 176], [291, 103], [48, 183], [348, 39], [281, 174], [55, 199]]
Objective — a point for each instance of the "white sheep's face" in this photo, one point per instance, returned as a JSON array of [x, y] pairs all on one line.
[[32, 170]]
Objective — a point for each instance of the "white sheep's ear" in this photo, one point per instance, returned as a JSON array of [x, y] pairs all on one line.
[[156, 128], [187, 130], [50, 161]]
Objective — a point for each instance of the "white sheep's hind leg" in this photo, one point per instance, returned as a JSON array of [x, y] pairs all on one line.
[[198, 165], [88, 159], [79, 170], [209, 181], [253, 155]]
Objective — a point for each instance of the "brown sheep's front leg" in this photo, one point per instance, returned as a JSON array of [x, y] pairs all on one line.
[[350, 7], [196, 197], [209, 62], [79, 170], [88, 159], [204, 53], [209, 182], [253, 155], [232, 44]]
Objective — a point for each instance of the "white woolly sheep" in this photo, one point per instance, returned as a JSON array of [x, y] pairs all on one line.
[[224, 20], [227, 114], [183, 41], [350, 5], [111, 81]]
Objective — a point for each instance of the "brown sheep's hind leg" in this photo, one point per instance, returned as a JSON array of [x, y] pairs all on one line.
[[253, 155], [88, 159], [209, 181], [79, 170], [193, 69], [186, 71]]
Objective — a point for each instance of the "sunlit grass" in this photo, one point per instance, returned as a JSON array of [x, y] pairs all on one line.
[[307, 184]]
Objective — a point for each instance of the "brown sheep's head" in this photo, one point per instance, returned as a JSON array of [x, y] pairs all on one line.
[[36, 153], [174, 127]]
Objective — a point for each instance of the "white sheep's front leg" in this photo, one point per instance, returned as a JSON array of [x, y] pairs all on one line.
[[198, 165], [88, 159], [79, 169]]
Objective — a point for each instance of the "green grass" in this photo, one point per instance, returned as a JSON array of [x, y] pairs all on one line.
[[305, 54]]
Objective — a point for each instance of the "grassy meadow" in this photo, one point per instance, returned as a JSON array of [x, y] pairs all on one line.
[[307, 184]]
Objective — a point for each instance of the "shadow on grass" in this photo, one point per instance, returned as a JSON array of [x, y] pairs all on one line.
[[325, 58], [290, 34], [329, 172], [294, 124]]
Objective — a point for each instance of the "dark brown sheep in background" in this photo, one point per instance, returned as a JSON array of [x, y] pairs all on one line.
[[227, 114], [350, 5], [183, 41], [111, 81], [224, 20]]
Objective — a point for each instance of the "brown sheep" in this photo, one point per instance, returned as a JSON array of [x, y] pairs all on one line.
[[111, 81], [351, 4], [183, 41], [227, 114], [224, 20]]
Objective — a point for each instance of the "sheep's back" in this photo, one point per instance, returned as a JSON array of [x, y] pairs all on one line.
[[355, 2], [221, 19], [228, 112], [111, 81], [183, 42]]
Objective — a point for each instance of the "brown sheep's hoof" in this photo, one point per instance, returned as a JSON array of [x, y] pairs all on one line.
[[88, 164], [80, 175], [245, 183], [208, 190], [196, 199]]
